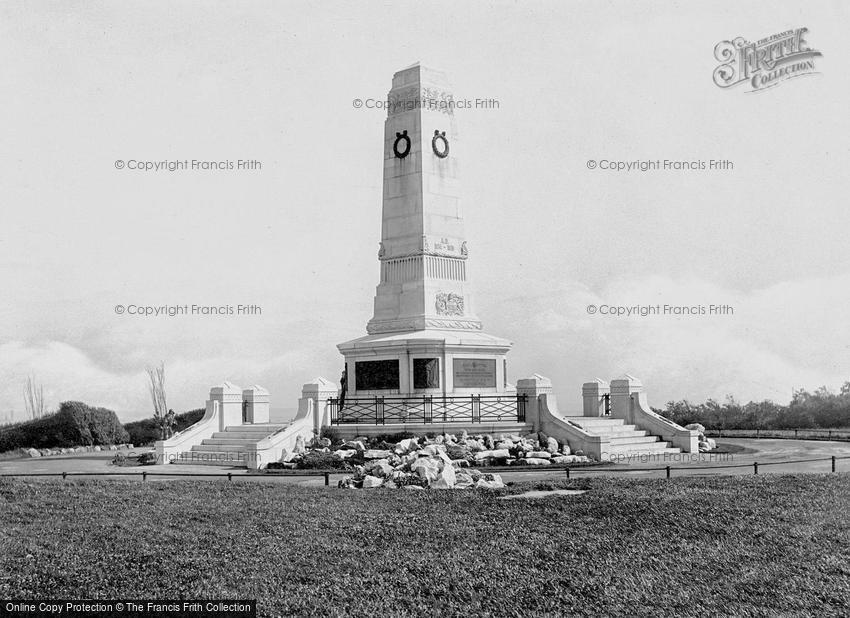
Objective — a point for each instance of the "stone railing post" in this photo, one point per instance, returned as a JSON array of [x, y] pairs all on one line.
[[319, 390], [622, 390], [592, 394], [533, 387], [229, 398], [258, 401]]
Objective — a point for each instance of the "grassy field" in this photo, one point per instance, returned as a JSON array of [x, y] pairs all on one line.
[[718, 545]]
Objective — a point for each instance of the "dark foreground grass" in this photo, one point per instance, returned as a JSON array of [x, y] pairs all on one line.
[[692, 546]]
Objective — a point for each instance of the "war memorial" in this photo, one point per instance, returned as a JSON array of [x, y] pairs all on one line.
[[429, 471], [426, 364]]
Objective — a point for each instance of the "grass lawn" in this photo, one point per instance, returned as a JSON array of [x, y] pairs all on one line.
[[716, 545]]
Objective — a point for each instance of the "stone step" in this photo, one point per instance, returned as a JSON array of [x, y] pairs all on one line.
[[588, 421], [231, 441], [261, 428], [203, 447], [619, 433], [242, 435], [620, 440]]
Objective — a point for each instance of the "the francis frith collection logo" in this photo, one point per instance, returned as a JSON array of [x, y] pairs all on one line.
[[766, 63]]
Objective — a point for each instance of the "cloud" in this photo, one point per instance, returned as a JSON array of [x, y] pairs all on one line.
[[67, 373], [790, 335]]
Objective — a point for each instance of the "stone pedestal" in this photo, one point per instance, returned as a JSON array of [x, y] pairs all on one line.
[[229, 398], [314, 401], [592, 394], [622, 390], [533, 387], [256, 401], [426, 362]]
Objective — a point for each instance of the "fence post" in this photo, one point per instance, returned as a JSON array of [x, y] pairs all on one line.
[[327, 478], [755, 467], [668, 472], [833, 463]]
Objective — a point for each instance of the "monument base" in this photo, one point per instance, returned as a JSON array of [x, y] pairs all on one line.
[[426, 362]]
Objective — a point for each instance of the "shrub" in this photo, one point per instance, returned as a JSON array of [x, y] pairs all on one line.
[[457, 452], [316, 460], [146, 431], [410, 479], [74, 424], [393, 438], [332, 434], [147, 459]]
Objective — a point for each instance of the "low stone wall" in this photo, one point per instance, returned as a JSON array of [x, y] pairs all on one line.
[[168, 450], [52, 452]]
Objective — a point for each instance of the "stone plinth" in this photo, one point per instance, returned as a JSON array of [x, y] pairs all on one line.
[[256, 401], [229, 397], [426, 362]]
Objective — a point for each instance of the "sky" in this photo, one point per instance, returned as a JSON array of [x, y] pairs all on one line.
[[90, 84]]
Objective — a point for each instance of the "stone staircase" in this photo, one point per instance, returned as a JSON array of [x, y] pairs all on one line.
[[228, 447], [625, 439]]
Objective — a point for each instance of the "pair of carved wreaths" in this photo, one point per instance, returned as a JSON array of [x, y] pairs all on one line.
[[439, 144]]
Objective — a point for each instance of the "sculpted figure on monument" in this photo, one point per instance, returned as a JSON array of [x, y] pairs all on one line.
[[343, 387]]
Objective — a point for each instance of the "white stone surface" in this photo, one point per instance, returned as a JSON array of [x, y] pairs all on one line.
[[423, 305]]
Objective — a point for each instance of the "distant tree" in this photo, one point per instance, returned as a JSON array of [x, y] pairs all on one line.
[[34, 398], [819, 409], [156, 376]]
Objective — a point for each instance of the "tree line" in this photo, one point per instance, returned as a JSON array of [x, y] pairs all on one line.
[[822, 408]]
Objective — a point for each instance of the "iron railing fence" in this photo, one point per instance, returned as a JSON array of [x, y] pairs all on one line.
[[428, 409]]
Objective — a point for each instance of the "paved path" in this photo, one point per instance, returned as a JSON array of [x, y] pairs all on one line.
[[764, 451]]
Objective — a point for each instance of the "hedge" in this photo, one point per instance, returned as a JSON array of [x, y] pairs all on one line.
[[75, 424]]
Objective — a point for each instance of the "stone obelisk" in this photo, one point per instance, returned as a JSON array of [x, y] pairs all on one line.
[[424, 336]]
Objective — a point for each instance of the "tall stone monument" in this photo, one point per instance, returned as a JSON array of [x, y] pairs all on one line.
[[424, 337]]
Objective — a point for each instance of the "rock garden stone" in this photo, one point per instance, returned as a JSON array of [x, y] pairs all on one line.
[[446, 478], [370, 482], [427, 469], [376, 454]]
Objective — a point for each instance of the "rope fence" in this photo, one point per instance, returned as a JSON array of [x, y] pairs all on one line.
[[327, 474]]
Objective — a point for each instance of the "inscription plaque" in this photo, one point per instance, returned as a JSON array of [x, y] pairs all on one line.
[[376, 375], [474, 372]]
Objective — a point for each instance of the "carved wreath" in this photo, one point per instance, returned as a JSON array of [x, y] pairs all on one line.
[[401, 138], [443, 150]]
